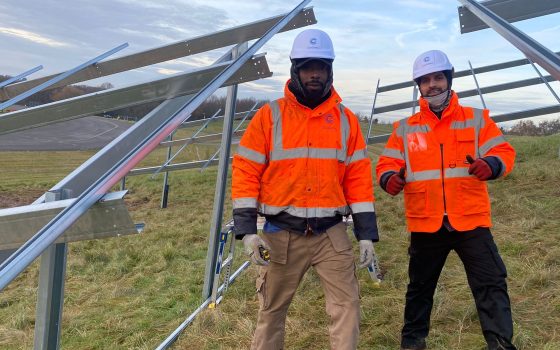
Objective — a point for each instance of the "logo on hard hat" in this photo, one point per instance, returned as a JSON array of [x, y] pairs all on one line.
[[313, 41], [427, 59]]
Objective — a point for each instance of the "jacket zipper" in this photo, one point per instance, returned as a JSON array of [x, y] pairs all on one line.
[[442, 180]]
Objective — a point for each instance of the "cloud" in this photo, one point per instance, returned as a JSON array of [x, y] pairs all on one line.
[[419, 4], [429, 25], [30, 36]]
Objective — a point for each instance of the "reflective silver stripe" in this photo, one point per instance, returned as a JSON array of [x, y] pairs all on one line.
[[362, 207], [479, 123], [251, 154], [457, 172], [493, 142], [239, 203], [303, 212], [392, 153], [304, 152], [358, 155], [409, 129], [464, 124], [277, 126], [344, 134], [423, 175]]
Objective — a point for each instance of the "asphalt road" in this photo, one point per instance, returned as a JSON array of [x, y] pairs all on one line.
[[77, 134]]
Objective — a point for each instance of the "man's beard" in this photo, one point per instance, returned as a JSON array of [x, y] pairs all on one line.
[[315, 94]]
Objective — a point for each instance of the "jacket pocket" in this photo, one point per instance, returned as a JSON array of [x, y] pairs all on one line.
[[415, 199], [278, 243], [465, 144], [474, 197], [261, 289], [339, 238]]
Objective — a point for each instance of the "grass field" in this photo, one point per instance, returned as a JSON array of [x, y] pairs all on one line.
[[131, 292]]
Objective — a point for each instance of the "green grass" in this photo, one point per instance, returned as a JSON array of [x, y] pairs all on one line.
[[132, 292]]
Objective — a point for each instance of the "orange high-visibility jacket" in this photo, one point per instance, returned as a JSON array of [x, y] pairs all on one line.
[[433, 152], [304, 163]]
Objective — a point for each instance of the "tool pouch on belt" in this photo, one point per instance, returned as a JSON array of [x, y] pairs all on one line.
[[278, 243]]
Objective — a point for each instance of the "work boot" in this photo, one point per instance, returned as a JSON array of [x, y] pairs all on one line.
[[415, 345]]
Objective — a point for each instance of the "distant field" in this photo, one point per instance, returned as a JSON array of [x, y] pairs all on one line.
[[132, 292]]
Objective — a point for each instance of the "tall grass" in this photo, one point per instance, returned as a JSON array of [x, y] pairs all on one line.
[[131, 292]]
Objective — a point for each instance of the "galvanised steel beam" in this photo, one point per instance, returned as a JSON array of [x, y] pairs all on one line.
[[530, 47], [60, 77], [19, 77], [158, 90], [107, 218], [469, 93], [200, 139], [171, 167], [179, 49], [463, 73], [27, 253], [238, 115], [509, 10], [526, 114]]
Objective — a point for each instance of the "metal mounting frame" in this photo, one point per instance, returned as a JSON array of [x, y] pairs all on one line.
[[509, 10]]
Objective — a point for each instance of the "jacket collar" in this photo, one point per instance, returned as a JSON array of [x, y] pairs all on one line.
[[327, 105], [450, 111]]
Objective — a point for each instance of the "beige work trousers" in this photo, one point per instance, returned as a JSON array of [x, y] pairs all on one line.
[[291, 256]]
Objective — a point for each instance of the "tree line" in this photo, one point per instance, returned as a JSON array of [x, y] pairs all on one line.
[[529, 128]]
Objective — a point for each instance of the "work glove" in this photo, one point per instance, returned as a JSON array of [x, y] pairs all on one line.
[[366, 252], [257, 249], [479, 168], [396, 183]]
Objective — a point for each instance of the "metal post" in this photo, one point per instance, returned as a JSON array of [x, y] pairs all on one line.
[[123, 183], [477, 86], [544, 80], [165, 189], [414, 98], [221, 182], [373, 109], [50, 294]]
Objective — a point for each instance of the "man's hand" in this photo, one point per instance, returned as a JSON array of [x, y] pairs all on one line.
[[396, 183], [479, 168], [253, 245], [366, 252]]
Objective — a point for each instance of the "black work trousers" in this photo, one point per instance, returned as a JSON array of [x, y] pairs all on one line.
[[486, 275]]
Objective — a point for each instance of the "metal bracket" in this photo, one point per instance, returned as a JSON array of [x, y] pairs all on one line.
[[108, 218]]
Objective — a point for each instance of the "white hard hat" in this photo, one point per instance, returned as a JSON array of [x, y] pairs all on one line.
[[430, 62], [312, 43]]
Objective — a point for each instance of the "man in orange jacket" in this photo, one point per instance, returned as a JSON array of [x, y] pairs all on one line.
[[302, 163], [442, 157]]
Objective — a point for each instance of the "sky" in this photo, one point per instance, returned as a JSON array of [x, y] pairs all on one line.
[[373, 39]]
